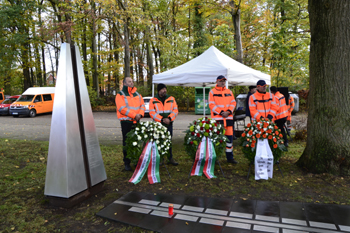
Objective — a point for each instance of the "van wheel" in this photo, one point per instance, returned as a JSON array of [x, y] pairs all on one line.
[[32, 113]]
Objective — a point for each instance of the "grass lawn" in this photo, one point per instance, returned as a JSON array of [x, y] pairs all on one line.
[[24, 207]]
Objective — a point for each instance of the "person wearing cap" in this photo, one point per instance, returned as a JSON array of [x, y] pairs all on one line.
[[222, 104], [282, 112], [130, 109], [262, 104], [252, 90], [163, 109]]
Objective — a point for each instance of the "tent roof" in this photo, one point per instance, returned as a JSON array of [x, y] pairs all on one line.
[[203, 70]]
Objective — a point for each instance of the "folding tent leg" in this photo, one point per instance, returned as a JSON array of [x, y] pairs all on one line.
[[191, 169], [278, 164], [167, 170], [221, 169], [250, 164]]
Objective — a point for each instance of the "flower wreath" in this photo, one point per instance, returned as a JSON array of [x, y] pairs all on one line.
[[147, 131], [262, 129], [204, 127]]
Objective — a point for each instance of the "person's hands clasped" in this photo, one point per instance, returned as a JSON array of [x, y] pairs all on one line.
[[225, 114], [138, 117], [166, 121]]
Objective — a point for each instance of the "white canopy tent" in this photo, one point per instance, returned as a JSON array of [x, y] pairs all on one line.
[[203, 70]]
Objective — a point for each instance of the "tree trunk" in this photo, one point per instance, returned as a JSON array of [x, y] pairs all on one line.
[[236, 20], [94, 51], [328, 141]]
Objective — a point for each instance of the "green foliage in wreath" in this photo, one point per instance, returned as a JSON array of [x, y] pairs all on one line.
[[144, 132], [262, 129], [205, 127]]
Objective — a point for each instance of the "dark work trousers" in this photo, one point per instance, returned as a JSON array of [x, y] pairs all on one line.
[[170, 129], [280, 124], [126, 128], [229, 149]]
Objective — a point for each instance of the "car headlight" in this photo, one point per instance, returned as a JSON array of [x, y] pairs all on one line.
[[6, 108], [26, 106]]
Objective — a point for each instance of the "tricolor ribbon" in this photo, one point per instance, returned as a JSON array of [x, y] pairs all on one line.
[[149, 160], [205, 159], [210, 160]]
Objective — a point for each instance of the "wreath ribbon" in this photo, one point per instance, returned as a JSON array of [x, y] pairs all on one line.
[[205, 159], [148, 161]]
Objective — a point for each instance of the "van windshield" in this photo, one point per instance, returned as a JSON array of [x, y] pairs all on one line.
[[25, 98]]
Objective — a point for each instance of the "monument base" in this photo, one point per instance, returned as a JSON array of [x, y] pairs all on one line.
[[76, 199]]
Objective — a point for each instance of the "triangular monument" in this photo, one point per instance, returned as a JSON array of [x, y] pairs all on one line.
[[75, 168]]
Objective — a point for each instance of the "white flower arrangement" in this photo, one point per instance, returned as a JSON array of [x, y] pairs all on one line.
[[147, 131]]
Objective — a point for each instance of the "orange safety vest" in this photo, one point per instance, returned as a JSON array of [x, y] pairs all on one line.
[[282, 111], [129, 103], [290, 108], [221, 99], [158, 110], [262, 105]]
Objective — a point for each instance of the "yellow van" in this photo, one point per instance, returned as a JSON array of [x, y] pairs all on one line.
[[33, 101]]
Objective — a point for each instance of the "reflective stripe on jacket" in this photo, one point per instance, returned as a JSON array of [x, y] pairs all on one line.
[[290, 107], [280, 100], [129, 103], [221, 99], [262, 105], [158, 110]]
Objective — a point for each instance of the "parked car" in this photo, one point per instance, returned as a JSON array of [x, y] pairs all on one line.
[[5, 105], [34, 100], [146, 100]]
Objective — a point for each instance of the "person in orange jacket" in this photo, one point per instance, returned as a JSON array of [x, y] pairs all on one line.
[[290, 110], [222, 104], [282, 112], [262, 104], [163, 109], [130, 109]]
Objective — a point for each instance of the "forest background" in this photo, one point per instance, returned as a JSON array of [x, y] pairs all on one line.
[[139, 38]]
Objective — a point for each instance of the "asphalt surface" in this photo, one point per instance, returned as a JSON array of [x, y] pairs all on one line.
[[107, 127]]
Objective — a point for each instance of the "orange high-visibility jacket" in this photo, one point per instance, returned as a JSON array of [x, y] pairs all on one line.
[[221, 99], [282, 111], [158, 110], [262, 105], [129, 103], [290, 108]]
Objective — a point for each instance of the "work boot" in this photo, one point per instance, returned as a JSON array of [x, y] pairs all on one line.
[[127, 167], [233, 161], [172, 162]]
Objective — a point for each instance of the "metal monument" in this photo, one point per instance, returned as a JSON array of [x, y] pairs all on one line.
[[75, 168]]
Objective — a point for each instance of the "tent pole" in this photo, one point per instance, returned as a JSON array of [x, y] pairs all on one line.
[[203, 101], [152, 90]]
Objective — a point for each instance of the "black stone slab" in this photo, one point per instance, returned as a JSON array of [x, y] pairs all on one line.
[[341, 214], [134, 197], [132, 218], [318, 213], [177, 225], [292, 210], [174, 199], [220, 204], [113, 212], [198, 201], [207, 228], [154, 223], [243, 206], [237, 229], [267, 208]]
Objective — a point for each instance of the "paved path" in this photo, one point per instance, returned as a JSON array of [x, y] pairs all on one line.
[[107, 127]]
